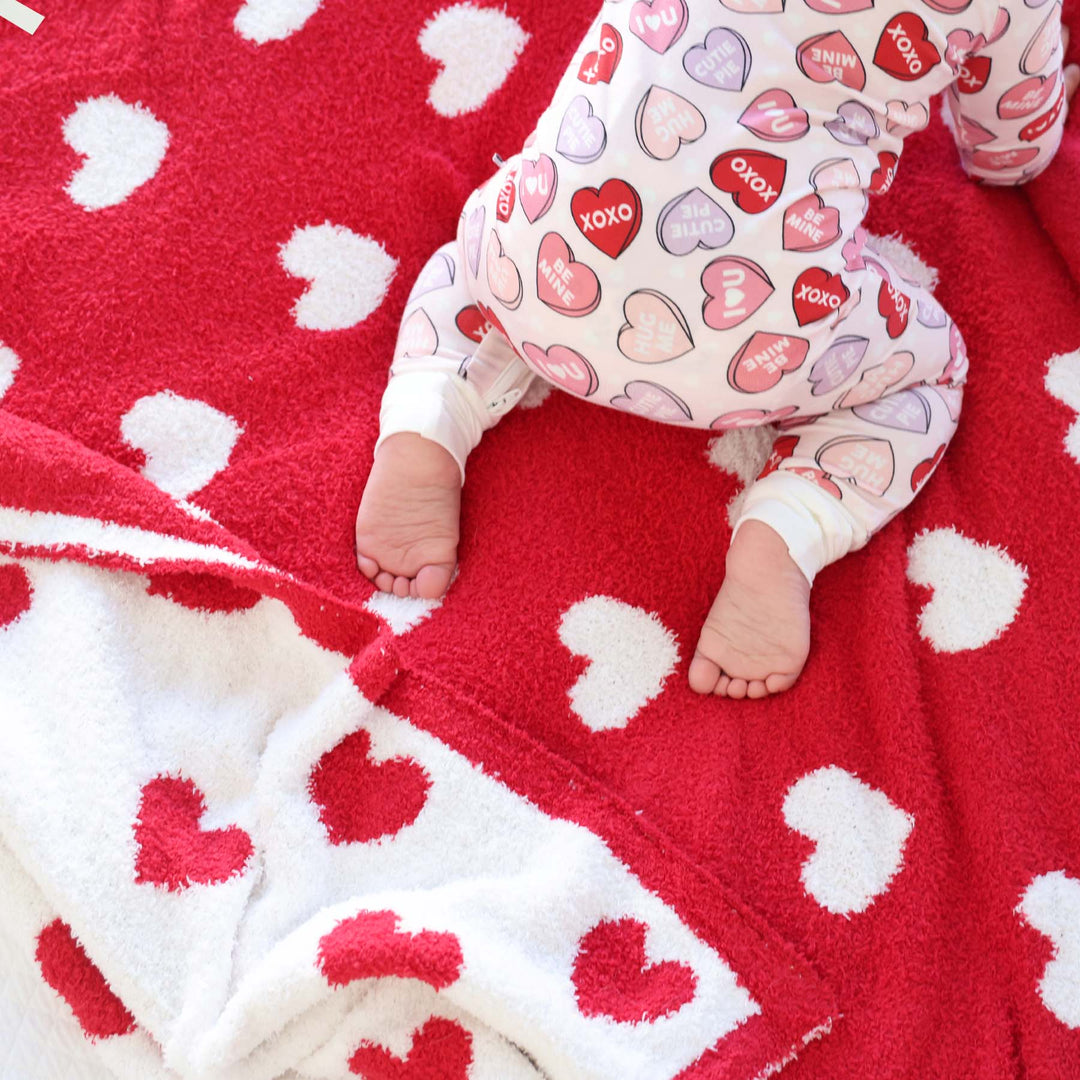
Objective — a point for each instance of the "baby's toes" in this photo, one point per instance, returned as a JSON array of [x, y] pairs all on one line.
[[756, 688], [385, 581], [703, 674], [777, 684], [368, 567], [401, 585], [432, 581], [722, 685], [736, 688]]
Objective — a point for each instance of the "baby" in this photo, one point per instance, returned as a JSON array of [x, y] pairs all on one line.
[[681, 238]]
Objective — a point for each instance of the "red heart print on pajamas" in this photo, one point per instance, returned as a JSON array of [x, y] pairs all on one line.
[[894, 306], [600, 64], [884, 175], [472, 323], [360, 799], [1042, 124], [504, 202], [73, 975], [609, 216], [173, 851], [921, 471], [493, 320], [903, 50], [441, 1050], [974, 73], [370, 946], [612, 976], [752, 177], [782, 449], [817, 293]]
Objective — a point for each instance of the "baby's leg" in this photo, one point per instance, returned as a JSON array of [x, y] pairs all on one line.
[[444, 391], [894, 373]]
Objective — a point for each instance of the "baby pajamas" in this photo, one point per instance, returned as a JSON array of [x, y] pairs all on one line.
[[681, 238]]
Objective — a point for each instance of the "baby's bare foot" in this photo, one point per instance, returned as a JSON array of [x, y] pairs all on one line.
[[757, 634], [407, 524]]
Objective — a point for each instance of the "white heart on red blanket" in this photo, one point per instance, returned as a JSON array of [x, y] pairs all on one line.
[[470, 75], [76, 978], [186, 442], [15, 593], [349, 275], [1063, 382], [361, 799], [173, 851], [370, 946], [977, 587], [1051, 904], [859, 836], [402, 613], [272, 20], [441, 1050], [9, 364], [123, 144], [614, 977], [631, 653]]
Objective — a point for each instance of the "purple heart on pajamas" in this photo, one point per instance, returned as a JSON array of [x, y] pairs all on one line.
[[581, 135], [905, 410], [854, 125], [474, 231], [722, 62], [656, 402], [837, 362], [930, 314], [438, 272], [693, 220]]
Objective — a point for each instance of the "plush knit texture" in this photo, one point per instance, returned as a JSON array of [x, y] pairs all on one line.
[[256, 817]]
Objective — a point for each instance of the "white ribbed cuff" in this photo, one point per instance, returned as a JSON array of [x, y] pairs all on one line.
[[816, 527], [438, 405]]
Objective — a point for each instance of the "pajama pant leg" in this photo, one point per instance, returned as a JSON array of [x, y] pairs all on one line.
[[835, 479], [452, 376]]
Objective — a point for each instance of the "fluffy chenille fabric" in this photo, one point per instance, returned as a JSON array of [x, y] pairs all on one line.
[[259, 821]]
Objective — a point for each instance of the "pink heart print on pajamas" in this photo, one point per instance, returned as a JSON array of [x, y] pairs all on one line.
[[681, 235]]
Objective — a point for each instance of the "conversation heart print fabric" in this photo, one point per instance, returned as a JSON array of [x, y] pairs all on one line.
[[680, 237]]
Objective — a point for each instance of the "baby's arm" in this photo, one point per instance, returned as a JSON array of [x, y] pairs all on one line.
[[1010, 98]]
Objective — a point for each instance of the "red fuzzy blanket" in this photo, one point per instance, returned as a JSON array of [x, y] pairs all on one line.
[[257, 822]]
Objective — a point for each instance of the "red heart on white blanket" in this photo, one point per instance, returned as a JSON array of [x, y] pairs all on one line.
[[173, 850], [71, 973], [14, 593], [360, 799], [203, 592], [612, 976], [370, 946], [441, 1050]]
